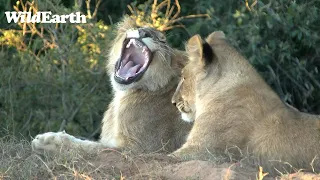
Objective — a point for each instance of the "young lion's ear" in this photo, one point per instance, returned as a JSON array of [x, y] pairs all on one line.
[[199, 50], [194, 46], [216, 35]]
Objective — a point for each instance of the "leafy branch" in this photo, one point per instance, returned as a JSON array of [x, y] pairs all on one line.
[[159, 20]]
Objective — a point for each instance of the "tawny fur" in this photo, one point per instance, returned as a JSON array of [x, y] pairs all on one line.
[[140, 118], [235, 110]]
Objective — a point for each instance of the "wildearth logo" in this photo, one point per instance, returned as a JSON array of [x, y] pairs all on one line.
[[44, 17]]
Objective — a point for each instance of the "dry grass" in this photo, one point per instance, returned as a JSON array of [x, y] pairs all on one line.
[[18, 162]]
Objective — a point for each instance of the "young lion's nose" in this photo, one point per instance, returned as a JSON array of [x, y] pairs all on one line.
[[174, 102]]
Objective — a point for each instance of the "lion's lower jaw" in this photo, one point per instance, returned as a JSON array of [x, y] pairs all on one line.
[[121, 87]]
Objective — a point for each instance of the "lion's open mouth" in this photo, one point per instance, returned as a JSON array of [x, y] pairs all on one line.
[[134, 61]]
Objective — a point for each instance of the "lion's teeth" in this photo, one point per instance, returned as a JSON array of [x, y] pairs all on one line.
[[139, 44], [135, 43]]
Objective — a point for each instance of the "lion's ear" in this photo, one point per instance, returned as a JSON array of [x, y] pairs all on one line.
[[126, 23], [199, 50]]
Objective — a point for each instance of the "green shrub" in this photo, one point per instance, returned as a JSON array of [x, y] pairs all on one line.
[[280, 38], [56, 80]]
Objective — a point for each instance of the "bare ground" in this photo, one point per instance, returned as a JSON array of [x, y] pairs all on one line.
[[17, 161]]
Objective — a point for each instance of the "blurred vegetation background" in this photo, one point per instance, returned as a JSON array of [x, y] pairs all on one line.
[[52, 77]]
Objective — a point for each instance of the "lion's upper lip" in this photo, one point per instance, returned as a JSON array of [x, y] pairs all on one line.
[[135, 59]]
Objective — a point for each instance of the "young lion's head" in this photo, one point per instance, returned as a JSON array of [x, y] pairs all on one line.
[[200, 56], [140, 58]]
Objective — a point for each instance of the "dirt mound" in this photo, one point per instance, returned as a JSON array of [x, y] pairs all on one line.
[[157, 166], [17, 161]]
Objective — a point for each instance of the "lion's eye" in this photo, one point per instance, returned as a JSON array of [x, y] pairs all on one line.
[[162, 37]]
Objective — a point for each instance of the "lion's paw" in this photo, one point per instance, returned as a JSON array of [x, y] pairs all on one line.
[[177, 154], [51, 141], [186, 152]]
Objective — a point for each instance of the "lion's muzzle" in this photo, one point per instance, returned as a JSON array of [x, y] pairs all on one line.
[[135, 57]]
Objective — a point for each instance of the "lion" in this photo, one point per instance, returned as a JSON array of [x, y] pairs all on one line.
[[144, 72], [235, 113]]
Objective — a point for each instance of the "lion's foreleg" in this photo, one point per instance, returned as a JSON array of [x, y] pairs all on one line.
[[61, 141]]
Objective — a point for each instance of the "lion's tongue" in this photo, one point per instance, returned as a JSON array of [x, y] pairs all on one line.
[[129, 70]]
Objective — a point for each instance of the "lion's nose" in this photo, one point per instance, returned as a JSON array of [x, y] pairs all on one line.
[[133, 34]]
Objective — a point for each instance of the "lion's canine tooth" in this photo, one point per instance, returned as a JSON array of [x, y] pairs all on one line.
[[144, 49], [130, 42]]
